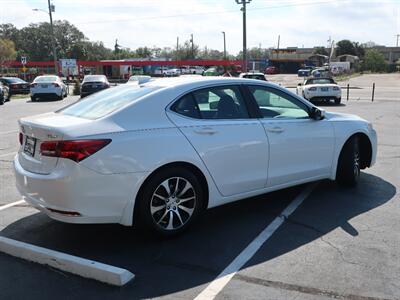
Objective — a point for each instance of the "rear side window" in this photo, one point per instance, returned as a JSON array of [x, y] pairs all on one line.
[[187, 107], [105, 102]]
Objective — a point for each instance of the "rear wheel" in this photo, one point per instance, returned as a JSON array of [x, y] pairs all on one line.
[[171, 201], [2, 99], [349, 164], [338, 100]]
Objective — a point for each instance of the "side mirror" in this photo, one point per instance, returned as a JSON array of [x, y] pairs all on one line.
[[317, 114]]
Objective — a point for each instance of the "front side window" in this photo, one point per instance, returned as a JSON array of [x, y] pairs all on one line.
[[277, 104]]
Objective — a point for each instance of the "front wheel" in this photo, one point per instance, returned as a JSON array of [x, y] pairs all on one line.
[[348, 169], [171, 201]]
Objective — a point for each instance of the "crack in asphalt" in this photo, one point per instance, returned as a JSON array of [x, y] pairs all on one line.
[[302, 289], [327, 242]]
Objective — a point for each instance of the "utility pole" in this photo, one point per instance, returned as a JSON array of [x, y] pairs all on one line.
[[223, 32], [243, 9], [191, 40], [177, 48], [279, 41], [53, 42]]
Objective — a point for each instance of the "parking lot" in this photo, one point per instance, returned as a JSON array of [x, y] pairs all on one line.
[[340, 243]]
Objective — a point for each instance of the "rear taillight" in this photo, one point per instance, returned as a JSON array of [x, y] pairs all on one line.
[[21, 138], [76, 150], [56, 84], [335, 88], [312, 89], [33, 84]]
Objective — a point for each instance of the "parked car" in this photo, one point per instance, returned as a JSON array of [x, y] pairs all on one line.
[[214, 71], [320, 89], [49, 87], [304, 72], [164, 151], [93, 83], [321, 73], [253, 75], [271, 70], [15, 85], [4, 93], [139, 79], [171, 72]]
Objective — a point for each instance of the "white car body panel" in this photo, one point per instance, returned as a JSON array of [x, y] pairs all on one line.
[[238, 158]]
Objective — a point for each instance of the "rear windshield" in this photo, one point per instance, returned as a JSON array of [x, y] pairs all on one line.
[[45, 79], [105, 102], [320, 81], [14, 80], [92, 78]]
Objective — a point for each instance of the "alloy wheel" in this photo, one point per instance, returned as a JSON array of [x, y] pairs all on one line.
[[173, 203]]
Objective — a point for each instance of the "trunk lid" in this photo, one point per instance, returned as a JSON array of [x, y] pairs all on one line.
[[36, 130]]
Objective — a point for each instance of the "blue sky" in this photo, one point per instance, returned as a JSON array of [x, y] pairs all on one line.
[[158, 22]]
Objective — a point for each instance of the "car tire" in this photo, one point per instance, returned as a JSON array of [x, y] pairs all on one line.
[[338, 100], [33, 98], [161, 207], [349, 163], [2, 99], [8, 99]]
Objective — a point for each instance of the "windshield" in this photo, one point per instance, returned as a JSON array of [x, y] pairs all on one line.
[[45, 79], [103, 103]]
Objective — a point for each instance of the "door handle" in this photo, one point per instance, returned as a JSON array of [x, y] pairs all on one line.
[[275, 129], [206, 131]]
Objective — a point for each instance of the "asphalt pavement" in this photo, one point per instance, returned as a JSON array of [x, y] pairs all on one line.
[[339, 244]]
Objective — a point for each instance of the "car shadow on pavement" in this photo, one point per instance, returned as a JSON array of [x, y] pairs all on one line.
[[190, 261]]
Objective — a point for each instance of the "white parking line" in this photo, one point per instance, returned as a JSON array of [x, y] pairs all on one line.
[[216, 286], [7, 154], [3, 207], [65, 262]]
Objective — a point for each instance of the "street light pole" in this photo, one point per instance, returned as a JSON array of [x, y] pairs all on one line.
[[243, 9], [53, 42], [223, 32]]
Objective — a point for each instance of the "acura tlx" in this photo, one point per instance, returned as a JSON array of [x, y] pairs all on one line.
[[161, 152]]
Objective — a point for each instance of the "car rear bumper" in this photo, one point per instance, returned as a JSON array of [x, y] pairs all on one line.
[[73, 193]]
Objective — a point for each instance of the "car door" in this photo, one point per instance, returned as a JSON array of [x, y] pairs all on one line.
[[300, 147], [231, 143]]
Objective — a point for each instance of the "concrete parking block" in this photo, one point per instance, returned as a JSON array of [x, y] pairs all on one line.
[[67, 263]]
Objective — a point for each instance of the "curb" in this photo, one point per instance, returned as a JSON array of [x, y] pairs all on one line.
[[65, 262]]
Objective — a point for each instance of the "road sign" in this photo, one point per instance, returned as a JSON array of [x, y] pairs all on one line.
[[23, 60]]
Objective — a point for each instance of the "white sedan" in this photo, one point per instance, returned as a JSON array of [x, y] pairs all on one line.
[[48, 87], [320, 89], [163, 151]]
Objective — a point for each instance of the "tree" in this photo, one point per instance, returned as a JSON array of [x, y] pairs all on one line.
[[345, 47], [321, 51], [374, 61], [7, 51]]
